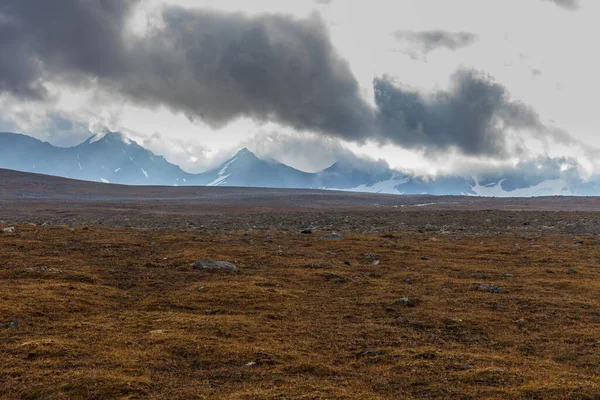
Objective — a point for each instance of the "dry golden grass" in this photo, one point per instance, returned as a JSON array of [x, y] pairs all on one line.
[[104, 313]]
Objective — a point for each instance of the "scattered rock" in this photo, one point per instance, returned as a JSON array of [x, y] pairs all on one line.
[[372, 353], [372, 256], [152, 243], [335, 277], [376, 262], [425, 258], [332, 236], [508, 275], [347, 263], [307, 232], [215, 266], [11, 229], [251, 364], [466, 366], [267, 284], [484, 287], [12, 325], [407, 281], [200, 288], [405, 301], [571, 271], [71, 229]]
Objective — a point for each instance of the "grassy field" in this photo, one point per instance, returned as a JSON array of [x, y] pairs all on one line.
[[101, 313]]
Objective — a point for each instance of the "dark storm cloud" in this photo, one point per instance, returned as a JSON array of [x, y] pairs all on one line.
[[222, 66], [566, 4], [209, 65], [428, 41], [41, 38], [472, 116], [218, 66]]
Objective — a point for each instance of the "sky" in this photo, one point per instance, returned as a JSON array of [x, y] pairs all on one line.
[[431, 86]]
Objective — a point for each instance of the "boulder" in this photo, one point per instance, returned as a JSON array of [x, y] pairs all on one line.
[[215, 266]]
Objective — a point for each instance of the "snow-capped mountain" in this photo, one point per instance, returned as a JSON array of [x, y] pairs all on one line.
[[245, 169], [114, 158], [109, 158]]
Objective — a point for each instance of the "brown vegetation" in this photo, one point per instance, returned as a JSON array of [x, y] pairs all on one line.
[[119, 313]]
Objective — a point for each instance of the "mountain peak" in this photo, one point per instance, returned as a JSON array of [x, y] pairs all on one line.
[[245, 153], [108, 136]]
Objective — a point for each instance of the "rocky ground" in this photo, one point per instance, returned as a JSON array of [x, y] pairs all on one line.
[[117, 292]]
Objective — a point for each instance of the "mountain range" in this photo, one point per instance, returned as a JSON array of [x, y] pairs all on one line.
[[113, 158]]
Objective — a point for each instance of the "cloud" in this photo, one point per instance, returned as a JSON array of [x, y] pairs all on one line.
[[218, 67], [566, 4], [427, 41], [474, 115], [209, 65], [72, 38]]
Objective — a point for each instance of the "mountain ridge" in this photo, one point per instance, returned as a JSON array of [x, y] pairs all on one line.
[[112, 157]]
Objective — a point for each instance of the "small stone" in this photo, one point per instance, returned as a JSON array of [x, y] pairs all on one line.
[[484, 287], [215, 266], [372, 353], [307, 232], [12, 325], [71, 229], [251, 364], [466, 366], [508, 275], [152, 243], [347, 263], [376, 262], [405, 301], [407, 281], [571, 271], [200, 288], [11, 229], [332, 236]]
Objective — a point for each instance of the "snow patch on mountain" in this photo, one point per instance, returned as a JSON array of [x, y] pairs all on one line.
[[553, 187], [219, 181], [144, 172], [222, 171], [385, 187]]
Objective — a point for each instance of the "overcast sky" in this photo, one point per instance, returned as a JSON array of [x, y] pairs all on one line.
[[435, 86]]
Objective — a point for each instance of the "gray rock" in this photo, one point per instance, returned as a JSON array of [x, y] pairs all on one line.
[[484, 287], [215, 266], [571, 271], [11, 229], [405, 301], [12, 325], [372, 353], [332, 236], [307, 231]]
